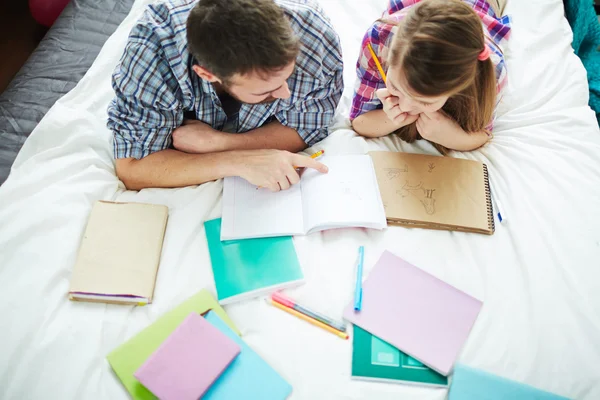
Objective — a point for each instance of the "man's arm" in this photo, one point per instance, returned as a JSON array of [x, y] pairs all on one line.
[[302, 125], [198, 137], [272, 169], [172, 168]]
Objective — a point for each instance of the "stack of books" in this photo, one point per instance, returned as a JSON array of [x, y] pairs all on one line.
[[411, 326], [195, 351]]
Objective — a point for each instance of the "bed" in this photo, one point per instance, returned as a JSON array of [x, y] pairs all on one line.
[[538, 275], [54, 68]]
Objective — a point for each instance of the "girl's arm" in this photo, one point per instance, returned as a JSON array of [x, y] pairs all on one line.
[[463, 141], [375, 123], [438, 128]]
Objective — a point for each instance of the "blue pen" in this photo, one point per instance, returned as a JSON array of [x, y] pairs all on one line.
[[359, 274], [496, 204]]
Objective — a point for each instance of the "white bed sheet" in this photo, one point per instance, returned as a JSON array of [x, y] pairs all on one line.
[[539, 275]]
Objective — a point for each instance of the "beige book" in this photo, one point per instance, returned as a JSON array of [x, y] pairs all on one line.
[[434, 192], [119, 254]]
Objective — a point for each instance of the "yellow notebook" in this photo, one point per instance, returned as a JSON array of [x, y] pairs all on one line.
[[119, 254], [434, 192]]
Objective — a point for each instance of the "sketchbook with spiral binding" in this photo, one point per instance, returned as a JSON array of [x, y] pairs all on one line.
[[434, 192]]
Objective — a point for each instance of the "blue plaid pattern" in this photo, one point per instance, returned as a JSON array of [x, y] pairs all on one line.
[[154, 83]]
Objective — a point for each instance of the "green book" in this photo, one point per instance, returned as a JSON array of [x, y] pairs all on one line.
[[127, 358], [251, 267], [376, 360]]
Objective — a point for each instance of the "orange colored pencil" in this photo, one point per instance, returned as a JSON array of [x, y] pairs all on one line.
[[308, 319]]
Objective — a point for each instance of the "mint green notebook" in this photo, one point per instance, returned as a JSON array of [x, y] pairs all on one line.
[[374, 359], [252, 267]]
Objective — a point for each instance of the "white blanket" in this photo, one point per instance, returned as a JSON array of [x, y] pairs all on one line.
[[538, 275]]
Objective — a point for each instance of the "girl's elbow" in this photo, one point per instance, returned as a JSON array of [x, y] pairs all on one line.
[[355, 125], [358, 125]]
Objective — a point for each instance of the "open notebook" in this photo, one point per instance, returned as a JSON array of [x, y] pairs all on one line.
[[434, 192], [347, 196]]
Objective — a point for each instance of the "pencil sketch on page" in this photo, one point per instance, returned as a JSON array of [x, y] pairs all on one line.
[[393, 173], [347, 190], [424, 195]]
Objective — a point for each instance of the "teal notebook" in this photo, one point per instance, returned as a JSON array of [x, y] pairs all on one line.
[[473, 384], [376, 360], [248, 376], [252, 267]]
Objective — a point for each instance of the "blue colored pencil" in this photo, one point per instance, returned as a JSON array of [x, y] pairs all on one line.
[[359, 275]]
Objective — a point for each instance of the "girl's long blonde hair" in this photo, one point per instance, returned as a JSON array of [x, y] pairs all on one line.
[[436, 48]]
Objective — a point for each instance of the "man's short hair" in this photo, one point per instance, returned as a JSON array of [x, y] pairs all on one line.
[[240, 36]]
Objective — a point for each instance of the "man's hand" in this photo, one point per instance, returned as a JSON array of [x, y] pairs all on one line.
[[391, 107], [274, 169], [198, 137]]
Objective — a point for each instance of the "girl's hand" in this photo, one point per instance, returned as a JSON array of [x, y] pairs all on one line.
[[391, 108], [435, 126]]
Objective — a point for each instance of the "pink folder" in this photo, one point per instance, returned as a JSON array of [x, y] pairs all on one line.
[[414, 311], [188, 361]]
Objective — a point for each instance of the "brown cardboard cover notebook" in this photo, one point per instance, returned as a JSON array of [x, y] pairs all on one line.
[[119, 254], [434, 192]]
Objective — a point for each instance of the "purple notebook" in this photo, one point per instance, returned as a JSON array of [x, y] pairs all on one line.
[[414, 311], [188, 361]]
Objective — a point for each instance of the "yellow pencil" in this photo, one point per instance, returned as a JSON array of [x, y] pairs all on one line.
[[309, 319], [377, 63], [317, 154]]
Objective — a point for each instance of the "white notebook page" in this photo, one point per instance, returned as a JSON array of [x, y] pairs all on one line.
[[347, 195], [251, 212]]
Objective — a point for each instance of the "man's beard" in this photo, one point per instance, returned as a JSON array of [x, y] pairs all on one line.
[[270, 99]]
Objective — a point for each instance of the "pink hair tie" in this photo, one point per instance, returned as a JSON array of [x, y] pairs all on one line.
[[485, 53]]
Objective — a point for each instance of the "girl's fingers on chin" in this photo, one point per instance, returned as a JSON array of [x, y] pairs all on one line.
[[400, 117]]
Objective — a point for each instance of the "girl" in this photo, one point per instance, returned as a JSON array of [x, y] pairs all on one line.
[[444, 72]]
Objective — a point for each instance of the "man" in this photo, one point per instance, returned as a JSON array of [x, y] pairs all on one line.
[[270, 69]]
